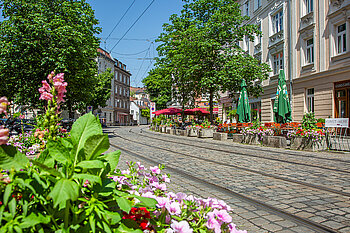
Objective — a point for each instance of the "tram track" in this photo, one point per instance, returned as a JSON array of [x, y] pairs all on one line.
[[317, 227], [314, 186], [258, 156]]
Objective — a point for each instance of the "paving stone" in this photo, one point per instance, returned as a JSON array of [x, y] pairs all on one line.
[[272, 227], [345, 230], [333, 224]]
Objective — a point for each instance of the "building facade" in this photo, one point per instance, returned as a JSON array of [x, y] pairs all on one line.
[[122, 96], [309, 39], [117, 110]]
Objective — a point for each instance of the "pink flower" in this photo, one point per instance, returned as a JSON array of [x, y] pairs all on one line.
[[165, 178], [4, 135], [181, 227], [45, 88], [59, 77], [3, 104], [222, 215], [181, 196], [213, 223], [162, 202], [46, 96], [155, 170], [173, 208], [50, 76]]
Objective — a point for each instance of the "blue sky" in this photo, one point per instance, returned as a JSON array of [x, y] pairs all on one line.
[[140, 39]]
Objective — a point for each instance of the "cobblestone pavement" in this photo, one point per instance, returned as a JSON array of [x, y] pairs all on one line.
[[322, 206]]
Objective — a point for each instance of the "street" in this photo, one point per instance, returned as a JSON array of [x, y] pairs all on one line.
[[269, 190]]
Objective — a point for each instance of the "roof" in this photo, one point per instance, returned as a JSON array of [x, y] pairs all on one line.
[[104, 52]]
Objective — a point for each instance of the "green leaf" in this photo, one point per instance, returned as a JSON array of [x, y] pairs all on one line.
[[106, 189], [90, 178], [112, 159], [106, 228], [149, 202], [7, 193], [96, 145], [52, 171], [114, 217], [59, 152], [34, 219], [124, 204], [124, 229], [12, 207], [92, 223], [63, 191], [91, 164], [11, 158], [85, 127]]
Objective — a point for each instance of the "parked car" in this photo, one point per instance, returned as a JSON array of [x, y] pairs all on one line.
[[23, 126]]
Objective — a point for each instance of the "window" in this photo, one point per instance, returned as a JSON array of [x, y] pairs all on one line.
[[132, 112], [277, 22], [309, 6], [341, 38], [257, 4], [310, 51], [246, 8], [110, 116], [310, 99], [277, 63], [246, 44]]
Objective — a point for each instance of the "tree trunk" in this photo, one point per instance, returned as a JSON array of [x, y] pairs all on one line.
[[70, 111], [211, 97]]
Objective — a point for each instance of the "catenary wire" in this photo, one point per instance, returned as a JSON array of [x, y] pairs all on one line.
[[133, 24], [120, 20]]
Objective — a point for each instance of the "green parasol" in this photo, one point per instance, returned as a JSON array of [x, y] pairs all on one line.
[[281, 109], [243, 109]]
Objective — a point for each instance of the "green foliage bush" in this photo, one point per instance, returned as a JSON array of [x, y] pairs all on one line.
[[309, 121]]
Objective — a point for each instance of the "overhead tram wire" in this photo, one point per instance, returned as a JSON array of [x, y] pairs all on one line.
[[120, 20], [133, 24], [130, 54]]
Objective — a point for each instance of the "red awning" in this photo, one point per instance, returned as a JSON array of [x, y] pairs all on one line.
[[168, 111]]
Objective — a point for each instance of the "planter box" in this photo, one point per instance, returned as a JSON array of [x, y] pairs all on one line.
[[171, 131], [299, 143], [183, 132], [192, 132], [251, 139], [274, 141], [205, 133], [238, 137], [220, 136]]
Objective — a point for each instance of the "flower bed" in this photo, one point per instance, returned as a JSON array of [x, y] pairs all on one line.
[[307, 139], [73, 188], [255, 136]]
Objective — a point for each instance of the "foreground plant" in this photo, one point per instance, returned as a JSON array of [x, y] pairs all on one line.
[[67, 188], [53, 92], [174, 212]]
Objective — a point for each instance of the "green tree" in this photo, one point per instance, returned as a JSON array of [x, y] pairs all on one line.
[[203, 43], [158, 86], [103, 89], [39, 36]]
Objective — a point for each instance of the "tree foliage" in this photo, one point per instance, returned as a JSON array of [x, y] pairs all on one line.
[[39, 36], [158, 86], [200, 48]]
